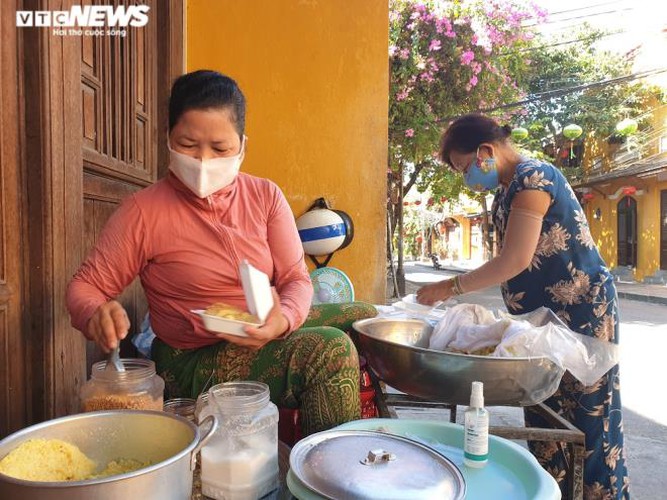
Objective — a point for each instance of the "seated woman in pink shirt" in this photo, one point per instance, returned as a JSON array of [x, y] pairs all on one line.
[[185, 236]]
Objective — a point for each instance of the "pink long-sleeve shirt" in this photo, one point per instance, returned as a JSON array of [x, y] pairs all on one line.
[[186, 251]]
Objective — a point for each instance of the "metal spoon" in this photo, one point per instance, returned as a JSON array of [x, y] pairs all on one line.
[[113, 362]]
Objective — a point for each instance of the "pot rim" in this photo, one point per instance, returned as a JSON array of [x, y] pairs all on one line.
[[110, 479]]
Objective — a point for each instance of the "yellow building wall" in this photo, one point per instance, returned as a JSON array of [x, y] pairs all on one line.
[[648, 233], [464, 251], [315, 75], [604, 230]]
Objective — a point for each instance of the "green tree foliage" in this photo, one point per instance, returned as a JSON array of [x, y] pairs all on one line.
[[597, 109], [447, 59]]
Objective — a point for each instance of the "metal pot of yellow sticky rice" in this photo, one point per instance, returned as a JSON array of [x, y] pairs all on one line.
[[105, 455]]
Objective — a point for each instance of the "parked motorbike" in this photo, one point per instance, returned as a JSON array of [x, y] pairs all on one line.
[[436, 261]]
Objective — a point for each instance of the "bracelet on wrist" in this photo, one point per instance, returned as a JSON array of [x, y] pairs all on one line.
[[456, 286]]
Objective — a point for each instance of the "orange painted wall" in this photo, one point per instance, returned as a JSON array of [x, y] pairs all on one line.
[[315, 75]]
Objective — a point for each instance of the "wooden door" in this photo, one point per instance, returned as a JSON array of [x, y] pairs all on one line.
[[118, 136], [663, 229], [87, 133], [627, 232], [13, 391]]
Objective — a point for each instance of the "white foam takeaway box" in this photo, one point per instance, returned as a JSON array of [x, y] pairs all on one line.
[[257, 291]]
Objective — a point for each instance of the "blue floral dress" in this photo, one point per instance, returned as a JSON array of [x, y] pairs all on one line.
[[567, 275]]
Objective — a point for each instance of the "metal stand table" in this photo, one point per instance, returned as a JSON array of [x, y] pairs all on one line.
[[561, 431]]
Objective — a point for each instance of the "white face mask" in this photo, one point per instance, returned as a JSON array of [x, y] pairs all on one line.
[[205, 177]]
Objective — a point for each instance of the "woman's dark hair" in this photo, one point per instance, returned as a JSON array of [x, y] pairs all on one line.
[[465, 134], [206, 89]]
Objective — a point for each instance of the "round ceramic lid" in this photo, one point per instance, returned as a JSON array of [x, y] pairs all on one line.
[[370, 464]]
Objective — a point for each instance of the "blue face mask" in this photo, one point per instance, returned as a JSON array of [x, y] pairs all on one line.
[[482, 175]]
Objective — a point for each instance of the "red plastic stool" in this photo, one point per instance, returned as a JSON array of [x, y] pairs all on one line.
[[289, 425], [366, 392]]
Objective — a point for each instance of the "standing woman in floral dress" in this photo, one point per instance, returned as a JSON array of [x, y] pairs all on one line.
[[547, 258]]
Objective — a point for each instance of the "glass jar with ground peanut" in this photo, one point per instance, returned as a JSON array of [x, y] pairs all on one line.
[[136, 388]]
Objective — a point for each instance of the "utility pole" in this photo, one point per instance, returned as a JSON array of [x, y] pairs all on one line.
[[400, 272]]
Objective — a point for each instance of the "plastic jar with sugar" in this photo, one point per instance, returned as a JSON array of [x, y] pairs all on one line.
[[241, 460]]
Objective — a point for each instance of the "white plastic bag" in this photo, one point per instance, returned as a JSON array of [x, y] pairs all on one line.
[[471, 327]]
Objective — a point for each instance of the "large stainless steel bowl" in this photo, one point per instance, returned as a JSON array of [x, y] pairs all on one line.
[[397, 350], [169, 442]]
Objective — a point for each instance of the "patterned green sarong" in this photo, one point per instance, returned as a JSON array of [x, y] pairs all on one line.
[[314, 369]]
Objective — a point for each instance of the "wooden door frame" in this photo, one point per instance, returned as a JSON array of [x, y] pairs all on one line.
[[662, 265], [54, 198], [171, 17], [634, 235], [14, 381]]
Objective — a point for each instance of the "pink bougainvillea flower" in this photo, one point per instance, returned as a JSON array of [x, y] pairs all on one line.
[[434, 45], [427, 77], [467, 57], [402, 95], [410, 132]]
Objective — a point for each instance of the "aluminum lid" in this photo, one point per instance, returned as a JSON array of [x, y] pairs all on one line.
[[374, 465]]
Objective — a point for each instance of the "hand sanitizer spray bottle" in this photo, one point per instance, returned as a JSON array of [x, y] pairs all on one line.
[[476, 433]]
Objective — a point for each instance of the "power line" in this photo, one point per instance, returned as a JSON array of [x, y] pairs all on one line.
[[569, 90], [557, 13], [586, 16], [583, 8], [567, 42]]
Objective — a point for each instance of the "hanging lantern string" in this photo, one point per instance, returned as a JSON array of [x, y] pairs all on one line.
[[640, 117], [572, 131]]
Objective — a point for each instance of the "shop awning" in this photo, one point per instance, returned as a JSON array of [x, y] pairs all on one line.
[[651, 165]]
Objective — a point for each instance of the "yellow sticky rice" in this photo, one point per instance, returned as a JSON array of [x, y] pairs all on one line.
[[227, 311], [120, 466], [56, 460]]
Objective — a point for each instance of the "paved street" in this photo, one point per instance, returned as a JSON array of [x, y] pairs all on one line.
[[643, 349]]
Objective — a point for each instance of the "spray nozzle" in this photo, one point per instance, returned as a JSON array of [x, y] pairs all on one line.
[[477, 395]]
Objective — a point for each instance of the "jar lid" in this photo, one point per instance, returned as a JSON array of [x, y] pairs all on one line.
[[370, 464], [180, 406]]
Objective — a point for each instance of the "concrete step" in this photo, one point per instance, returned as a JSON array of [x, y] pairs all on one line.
[[659, 278]]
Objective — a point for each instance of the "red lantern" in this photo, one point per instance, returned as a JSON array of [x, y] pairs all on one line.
[[419, 239], [588, 196], [443, 199], [418, 202], [629, 190], [406, 203]]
